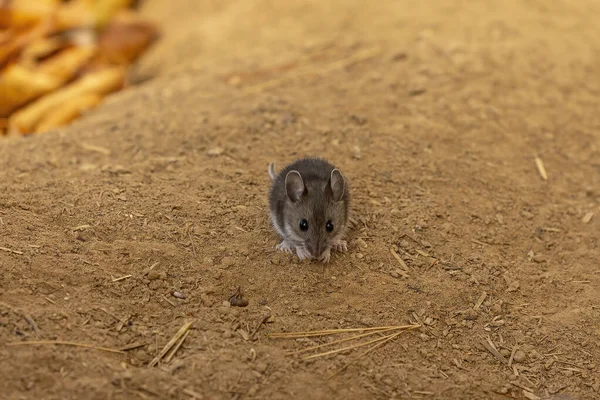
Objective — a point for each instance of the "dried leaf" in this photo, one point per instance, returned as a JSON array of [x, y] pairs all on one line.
[[75, 15], [41, 49], [19, 85], [101, 82], [14, 41], [25, 13], [125, 39], [68, 111], [68, 63], [105, 10]]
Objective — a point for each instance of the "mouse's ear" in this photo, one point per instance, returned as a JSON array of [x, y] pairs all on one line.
[[336, 184], [294, 185]]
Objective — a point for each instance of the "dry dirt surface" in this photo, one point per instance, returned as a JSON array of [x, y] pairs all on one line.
[[435, 112]]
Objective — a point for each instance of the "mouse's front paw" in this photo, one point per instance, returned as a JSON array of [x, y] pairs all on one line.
[[326, 256], [285, 246], [302, 253], [340, 245]]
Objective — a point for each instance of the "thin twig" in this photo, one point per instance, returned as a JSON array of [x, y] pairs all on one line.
[[512, 355], [132, 346], [339, 341], [541, 169], [177, 346], [291, 335], [192, 242], [33, 325], [381, 343], [168, 301], [490, 347], [383, 338], [11, 250], [171, 343], [121, 278], [260, 323]]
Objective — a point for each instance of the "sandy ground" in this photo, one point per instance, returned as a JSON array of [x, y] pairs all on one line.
[[435, 112]]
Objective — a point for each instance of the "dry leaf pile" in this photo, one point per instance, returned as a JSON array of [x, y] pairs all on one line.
[[60, 58]]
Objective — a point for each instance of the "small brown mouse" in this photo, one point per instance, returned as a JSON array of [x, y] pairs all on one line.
[[309, 202]]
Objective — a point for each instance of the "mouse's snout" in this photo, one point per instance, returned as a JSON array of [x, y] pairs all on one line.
[[316, 249]]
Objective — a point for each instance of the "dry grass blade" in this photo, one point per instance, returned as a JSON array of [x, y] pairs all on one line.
[[345, 348], [180, 333], [121, 278], [487, 343], [177, 346], [338, 341], [88, 346], [587, 218], [400, 261], [33, 325], [541, 168], [11, 250], [97, 149], [325, 332], [383, 339]]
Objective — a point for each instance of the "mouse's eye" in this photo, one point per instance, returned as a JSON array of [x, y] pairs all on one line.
[[303, 225], [329, 226]]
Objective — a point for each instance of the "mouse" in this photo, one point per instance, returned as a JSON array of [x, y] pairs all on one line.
[[309, 202]]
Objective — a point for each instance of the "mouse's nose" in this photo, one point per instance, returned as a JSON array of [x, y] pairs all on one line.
[[315, 249], [319, 250]]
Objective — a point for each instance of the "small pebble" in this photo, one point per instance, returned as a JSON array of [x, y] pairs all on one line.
[[217, 151], [470, 315], [228, 261], [253, 390], [224, 310], [261, 367], [520, 356], [361, 243], [153, 275], [424, 337], [227, 334], [205, 299], [527, 214], [179, 295], [538, 258], [497, 308]]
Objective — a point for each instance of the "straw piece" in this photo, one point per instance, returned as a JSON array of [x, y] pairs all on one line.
[[171, 343]]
